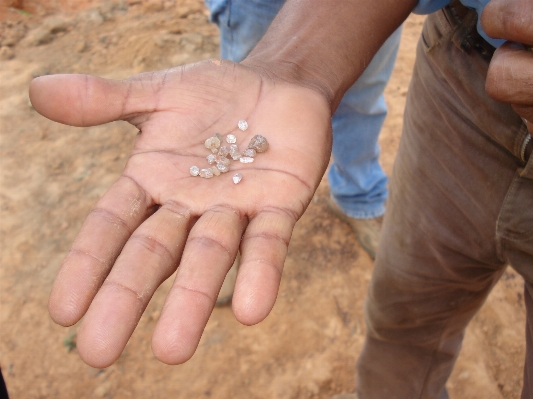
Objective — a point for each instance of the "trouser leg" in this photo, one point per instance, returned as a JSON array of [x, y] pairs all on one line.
[[357, 182], [439, 255], [515, 234], [242, 24]]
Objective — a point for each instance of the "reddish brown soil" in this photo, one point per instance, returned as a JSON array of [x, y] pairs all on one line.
[[51, 175]]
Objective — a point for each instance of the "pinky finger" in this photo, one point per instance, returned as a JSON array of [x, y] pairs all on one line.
[[263, 250]]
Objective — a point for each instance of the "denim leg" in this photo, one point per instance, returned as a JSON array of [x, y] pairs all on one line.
[[358, 184], [242, 24]]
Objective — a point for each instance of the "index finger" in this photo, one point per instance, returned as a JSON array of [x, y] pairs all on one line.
[[511, 20]]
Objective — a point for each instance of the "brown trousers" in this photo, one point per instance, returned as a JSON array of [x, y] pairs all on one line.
[[460, 211]]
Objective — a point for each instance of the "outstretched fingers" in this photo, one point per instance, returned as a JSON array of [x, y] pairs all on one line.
[[263, 252], [97, 246], [208, 255], [149, 257]]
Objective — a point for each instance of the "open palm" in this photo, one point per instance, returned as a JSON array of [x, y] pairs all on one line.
[[157, 216]]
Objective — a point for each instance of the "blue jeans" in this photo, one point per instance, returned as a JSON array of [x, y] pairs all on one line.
[[357, 182]]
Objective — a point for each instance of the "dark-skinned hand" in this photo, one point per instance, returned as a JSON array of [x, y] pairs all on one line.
[[157, 218]]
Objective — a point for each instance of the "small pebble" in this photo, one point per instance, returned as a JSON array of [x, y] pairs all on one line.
[[246, 159], [223, 160], [234, 152], [212, 143], [231, 139], [223, 168], [243, 125], [195, 171], [249, 152], [237, 178], [211, 159], [206, 173], [223, 151], [258, 143]]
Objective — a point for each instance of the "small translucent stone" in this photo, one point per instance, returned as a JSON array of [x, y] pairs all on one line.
[[246, 159], [215, 170], [237, 178], [211, 159], [212, 143], [222, 160], [223, 168], [249, 152], [231, 139], [258, 143], [223, 151], [194, 170], [206, 173], [234, 152], [243, 125]]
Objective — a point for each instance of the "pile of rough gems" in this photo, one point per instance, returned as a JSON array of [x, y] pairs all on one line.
[[221, 155]]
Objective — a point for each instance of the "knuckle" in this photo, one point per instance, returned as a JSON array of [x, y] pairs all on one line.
[[111, 217], [152, 245], [209, 243]]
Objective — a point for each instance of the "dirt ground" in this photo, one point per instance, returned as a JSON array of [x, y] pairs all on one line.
[[51, 175]]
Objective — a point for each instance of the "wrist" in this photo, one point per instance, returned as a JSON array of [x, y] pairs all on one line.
[[294, 73], [326, 45]]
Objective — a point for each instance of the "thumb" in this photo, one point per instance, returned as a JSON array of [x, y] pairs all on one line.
[[83, 100]]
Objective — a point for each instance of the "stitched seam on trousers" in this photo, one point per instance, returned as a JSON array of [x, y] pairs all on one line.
[[511, 237], [424, 384], [443, 17], [523, 147], [520, 237], [527, 172], [500, 232], [448, 31], [228, 23]]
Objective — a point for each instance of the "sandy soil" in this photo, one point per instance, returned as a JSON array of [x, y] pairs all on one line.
[[51, 175]]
